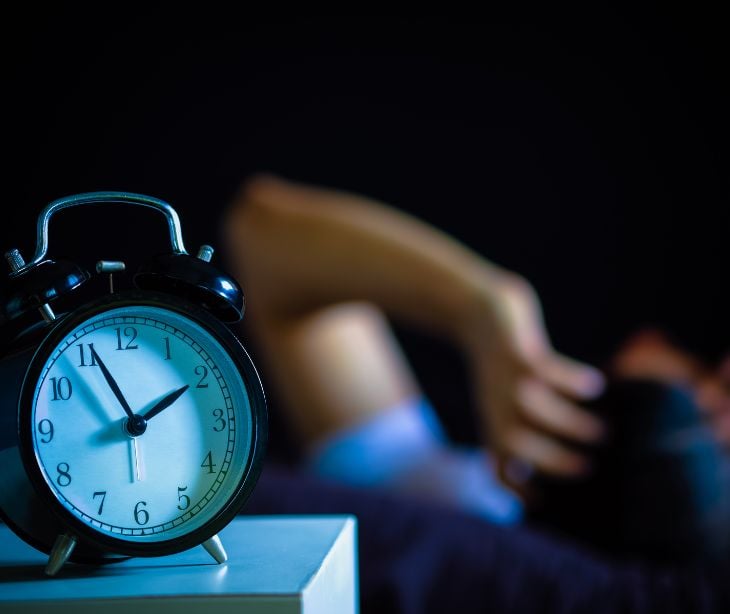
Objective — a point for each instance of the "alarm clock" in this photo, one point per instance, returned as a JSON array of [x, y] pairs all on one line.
[[141, 419]]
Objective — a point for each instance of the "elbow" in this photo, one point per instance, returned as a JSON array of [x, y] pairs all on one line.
[[250, 219], [254, 236]]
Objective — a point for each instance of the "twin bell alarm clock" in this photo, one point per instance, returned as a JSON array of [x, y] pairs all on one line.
[[139, 421]]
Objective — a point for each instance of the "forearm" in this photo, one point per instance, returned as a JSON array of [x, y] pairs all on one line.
[[307, 248]]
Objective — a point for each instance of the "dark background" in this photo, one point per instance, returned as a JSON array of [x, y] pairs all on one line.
[[588, 153]]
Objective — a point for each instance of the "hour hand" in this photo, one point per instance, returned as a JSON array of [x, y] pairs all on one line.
[[164, 402], [112, 384]]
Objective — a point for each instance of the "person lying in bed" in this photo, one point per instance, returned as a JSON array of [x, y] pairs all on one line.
[[324, 270]]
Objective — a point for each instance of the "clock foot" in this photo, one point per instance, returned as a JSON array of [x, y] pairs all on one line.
[[62, 549], [214, 547]]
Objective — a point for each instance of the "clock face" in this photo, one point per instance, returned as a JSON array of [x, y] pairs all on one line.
[[141, 424]]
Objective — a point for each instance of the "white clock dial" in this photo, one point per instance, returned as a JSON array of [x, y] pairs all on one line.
[[176, 475]]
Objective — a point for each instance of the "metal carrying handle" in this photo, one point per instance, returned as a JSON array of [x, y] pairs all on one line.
[[90, 198]]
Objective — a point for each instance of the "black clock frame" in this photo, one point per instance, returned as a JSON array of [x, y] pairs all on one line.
[[233, 347]]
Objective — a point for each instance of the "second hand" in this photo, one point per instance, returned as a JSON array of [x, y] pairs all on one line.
[[137, 470]]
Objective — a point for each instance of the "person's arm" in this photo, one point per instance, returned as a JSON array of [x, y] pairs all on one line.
[[303, 251]]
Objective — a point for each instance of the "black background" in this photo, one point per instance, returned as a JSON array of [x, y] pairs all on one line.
[[588, 152]]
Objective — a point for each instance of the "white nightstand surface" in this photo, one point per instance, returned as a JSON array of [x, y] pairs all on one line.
[[276, 564]]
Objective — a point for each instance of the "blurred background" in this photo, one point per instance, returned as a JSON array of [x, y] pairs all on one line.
[[587, 152]]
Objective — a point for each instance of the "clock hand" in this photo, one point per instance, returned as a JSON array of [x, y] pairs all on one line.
[[165, 402], [112, 384], [136, 459]]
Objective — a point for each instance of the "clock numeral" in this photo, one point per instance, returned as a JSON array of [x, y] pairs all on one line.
[[64, 477], [102, 494], [82, 356], [202, 370], [47, 430], [180, 497], [208, 462], [130, 334], [141, 516], [167, 348], [62, 388], [219, 420]]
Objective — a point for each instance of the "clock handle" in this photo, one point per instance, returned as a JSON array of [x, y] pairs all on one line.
[[89, 198]]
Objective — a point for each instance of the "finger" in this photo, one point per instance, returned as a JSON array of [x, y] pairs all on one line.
[[721, 427], [714, 401], [546, 455], [516, 475], [570, 376], [548, 410]]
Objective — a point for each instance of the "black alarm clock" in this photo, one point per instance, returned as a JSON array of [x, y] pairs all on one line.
[[141, 420]]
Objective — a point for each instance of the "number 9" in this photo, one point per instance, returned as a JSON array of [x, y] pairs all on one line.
[[47, 430]]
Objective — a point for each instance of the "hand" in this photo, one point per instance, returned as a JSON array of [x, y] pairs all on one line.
[[164, 403], [713, 396], [650, 354], [527, 392], [136, 459], [112, 384]]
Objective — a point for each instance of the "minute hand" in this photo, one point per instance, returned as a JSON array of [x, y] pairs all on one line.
[[112, 384], [164, 403]]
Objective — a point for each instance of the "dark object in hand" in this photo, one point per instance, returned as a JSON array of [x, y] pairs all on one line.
[[660, 488]]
